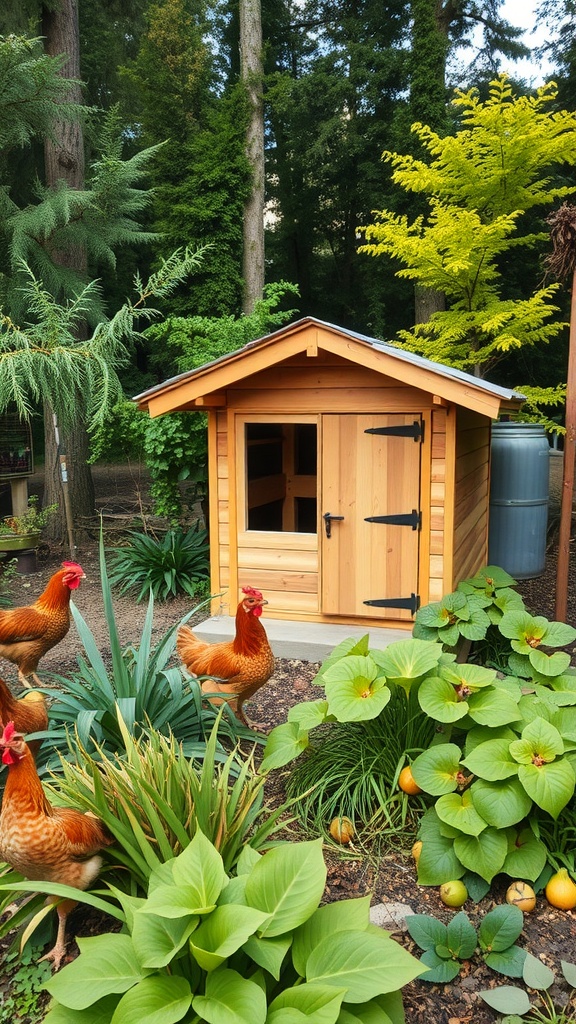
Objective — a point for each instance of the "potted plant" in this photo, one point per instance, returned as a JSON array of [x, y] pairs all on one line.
[[18, 533]]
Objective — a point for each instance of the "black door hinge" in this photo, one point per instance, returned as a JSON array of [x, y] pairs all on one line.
[[413, 519], [412, 603], [414, 430]]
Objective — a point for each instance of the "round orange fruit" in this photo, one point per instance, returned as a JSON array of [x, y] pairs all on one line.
[[342, 830], [454, 893], [407, 782], [521, 895], [561, 891]]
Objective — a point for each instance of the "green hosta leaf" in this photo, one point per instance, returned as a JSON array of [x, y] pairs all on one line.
[[246, 861], [490, 579], [536, 974], [524, 630], [426, 931], [492, 760], [506, 999], [108, 964], [519, 665], [559, 634], [436, 770], [565, 721], [308, 714], [462, 938], [438, 699], [321, 1003], [532, 706], [365, 963], [540, 740], [327, 920], [458, 810], [230, 999], [100, 1013], [482, 734], [438, 861], [509, 961], [448, 634], [477, 887], [347, 647], [223, 932], [493, 707], [550, 786], [468, 677], [161, 999], [158, 939], [441, 971], [406, 660], [569, 972], [200, 866], [476, 626], [526, 858], [287, 883], [284, 744], [484, 854], [500, 928], [559, 692], [501, 803], [268, 953], [440, 614], [549, 664], [354, 690]]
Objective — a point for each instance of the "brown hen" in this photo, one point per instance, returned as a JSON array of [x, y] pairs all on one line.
[[28, 632], [29, 713], [42, 842], [238, 667]]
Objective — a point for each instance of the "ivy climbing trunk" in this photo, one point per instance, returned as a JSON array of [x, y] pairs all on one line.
[[64, 161], [253, 228]]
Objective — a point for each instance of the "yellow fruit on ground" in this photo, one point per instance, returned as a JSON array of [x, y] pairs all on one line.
[[417, 850], [453, 894], [342, 830], [561, 891], [407, 782], [521, 895]]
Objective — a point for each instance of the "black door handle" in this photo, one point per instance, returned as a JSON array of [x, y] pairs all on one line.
[[327, 517]]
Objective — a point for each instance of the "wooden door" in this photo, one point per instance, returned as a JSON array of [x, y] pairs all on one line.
[[370, 472]]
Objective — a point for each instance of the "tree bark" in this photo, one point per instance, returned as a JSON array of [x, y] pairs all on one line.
[[251, 71], [64, 161]]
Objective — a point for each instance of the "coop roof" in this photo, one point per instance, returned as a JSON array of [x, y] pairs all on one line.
[[205, 386]]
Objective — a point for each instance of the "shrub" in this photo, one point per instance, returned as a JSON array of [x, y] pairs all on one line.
[[179, 562]]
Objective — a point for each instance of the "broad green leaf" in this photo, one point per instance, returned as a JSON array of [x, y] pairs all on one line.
[[490, 579], [319, 1003], [426, 931], [461, 936], [107, 964], [569, 972], [527, 857], [438, 699], [268, 953], [550, 786], [436, 770], [484, 854], [441, 971], [365, 963], [287, 883], [559, 634], [509, 961], [549, 664], [500, 928], [158, 939], [199, 867], [492, 760], [493, 707], [506, 999], [477, 625], [458, 810], [346, 648], [284, 744], [99, 1013], [308, 714], [354, 690], [438, 862], [483, 734], [230, 999], [524, 630], [246, 861], [501, 803], [223, 932], [468, 677], [161, 999], [536, 974], [406, 660], [341, 915]]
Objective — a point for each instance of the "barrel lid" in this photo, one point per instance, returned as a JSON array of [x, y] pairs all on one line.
[[512, 429]]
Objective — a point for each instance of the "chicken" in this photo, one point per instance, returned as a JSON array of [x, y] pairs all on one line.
[[29, 713], [45, 843], [28, 632], [237, 667]]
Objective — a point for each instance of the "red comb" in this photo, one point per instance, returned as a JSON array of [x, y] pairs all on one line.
[[8, 733], [73, 565], [250, 592]]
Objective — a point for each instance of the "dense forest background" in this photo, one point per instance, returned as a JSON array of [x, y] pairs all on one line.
[[144, 153]]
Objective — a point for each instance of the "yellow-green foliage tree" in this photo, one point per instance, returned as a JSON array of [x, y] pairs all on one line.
[[478, 183]]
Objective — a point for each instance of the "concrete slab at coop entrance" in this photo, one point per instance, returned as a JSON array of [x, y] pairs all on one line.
[[305, 641]]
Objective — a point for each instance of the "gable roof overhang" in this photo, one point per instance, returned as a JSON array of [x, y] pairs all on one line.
[[205, 387]]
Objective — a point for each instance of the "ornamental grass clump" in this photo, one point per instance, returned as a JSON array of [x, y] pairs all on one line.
[[177, 563]]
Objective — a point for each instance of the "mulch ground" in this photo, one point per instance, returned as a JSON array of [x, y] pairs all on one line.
[[548, 933]]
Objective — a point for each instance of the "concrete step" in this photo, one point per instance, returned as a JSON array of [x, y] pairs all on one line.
[[306, 641]]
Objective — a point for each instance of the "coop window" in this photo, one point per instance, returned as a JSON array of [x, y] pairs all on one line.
[[15, 446], [281, 477]]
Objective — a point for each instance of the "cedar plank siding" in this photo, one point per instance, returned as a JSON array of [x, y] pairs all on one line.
[[471, 498]]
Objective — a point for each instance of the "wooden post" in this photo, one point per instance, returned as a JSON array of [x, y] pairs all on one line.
[[566, 501]]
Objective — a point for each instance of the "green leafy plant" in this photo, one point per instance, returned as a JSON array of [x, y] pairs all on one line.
[[446, 945], [515, 1003], [250, 948], [33, 520], [176, 563], [23, 998]]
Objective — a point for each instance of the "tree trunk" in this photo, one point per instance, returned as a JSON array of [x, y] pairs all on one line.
[[252, 73], [426, 302], [64, 161]]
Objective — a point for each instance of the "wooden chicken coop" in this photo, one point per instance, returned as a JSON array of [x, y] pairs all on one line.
[[348, 478]]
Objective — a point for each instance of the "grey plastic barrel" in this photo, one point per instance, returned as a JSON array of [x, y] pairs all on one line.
[[519, 494]]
